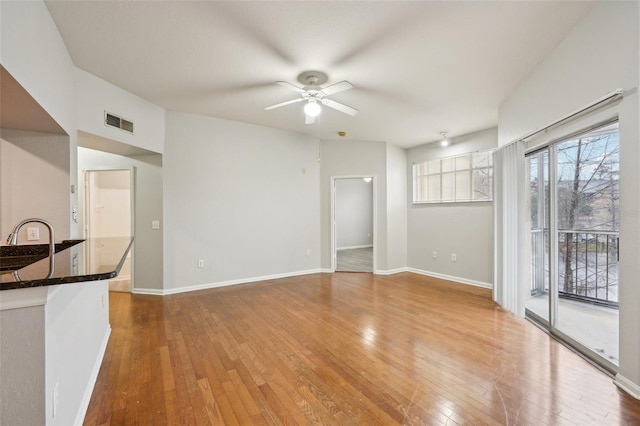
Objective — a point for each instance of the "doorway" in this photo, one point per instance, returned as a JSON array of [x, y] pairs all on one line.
[[573, 196], [353, 219], [108, 208]]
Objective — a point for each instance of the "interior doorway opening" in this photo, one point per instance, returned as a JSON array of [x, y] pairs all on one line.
[[353, 219], [108, 208]]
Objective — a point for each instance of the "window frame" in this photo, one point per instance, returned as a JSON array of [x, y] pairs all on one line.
[[429, 176]]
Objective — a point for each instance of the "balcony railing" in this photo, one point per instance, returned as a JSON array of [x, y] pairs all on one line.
[[587, 265]]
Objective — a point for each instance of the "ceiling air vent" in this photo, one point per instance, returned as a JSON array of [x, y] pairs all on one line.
[[113, 120]]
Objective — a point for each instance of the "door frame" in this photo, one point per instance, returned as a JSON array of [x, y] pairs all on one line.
[[86, 210], [374, 189]]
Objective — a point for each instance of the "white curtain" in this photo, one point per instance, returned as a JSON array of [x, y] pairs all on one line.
[[510, 250]]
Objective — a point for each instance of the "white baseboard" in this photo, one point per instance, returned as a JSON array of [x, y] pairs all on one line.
[[156, 292], [149, 291], [239, 281], [451, 278], [627, 385], [354, 247], [91, 383], [390, 271]]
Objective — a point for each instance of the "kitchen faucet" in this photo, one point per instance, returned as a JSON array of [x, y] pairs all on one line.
[[13, 239]]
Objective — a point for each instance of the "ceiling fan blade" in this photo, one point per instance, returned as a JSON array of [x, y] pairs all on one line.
[[338, 87], [281, 104], [291, 86], [340, 107], [309, 120]]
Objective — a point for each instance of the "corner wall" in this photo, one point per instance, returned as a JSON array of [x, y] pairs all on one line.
[[95, 96], [74, 349], [465, 229], [353, 158], [396, 208], [147, 248], [33, 52], [34, 182], [243, 198]]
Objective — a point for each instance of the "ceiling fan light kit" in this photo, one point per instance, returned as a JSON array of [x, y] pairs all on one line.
[[312, 108], [315, 95]]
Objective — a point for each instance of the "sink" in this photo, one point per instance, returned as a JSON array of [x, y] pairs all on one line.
[[13, 258]]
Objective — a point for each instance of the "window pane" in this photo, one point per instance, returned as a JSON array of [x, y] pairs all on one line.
[[448, 164], [434, 188], [482, 184], [588, 177], [463, 185], [481, 159], [448, 186], [419, 169], [463, 162], [434, 166]]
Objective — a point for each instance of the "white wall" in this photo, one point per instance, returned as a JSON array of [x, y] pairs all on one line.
[[353, 158], [241, 197], [147, 248], [354, 213], [465, 229], [22, 366], [95, 96], [111, 203], [34, 177], [598, 56], [46, 345], [33, 51], [396, 207], [74, 348]]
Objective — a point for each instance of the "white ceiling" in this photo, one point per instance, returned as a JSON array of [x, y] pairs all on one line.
[[418, 68]]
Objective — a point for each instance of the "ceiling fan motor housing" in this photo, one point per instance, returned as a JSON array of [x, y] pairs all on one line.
[[313, 78]]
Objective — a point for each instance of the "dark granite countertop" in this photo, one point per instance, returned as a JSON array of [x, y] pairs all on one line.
[[75, 261]]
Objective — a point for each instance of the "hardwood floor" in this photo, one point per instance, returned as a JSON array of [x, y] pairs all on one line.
[[342, 349]]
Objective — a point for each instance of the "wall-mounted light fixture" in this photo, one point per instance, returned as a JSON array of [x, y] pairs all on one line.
[[445, 140]]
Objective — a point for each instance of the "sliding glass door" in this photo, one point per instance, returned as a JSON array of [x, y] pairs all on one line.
[[574, 217], [537, 167]]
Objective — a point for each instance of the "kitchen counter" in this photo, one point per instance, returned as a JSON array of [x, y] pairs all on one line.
[[75, 261]]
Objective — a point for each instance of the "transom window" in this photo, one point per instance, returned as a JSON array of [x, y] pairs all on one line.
[[462, 178]]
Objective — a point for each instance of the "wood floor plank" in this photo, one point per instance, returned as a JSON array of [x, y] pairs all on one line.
[[342, 349]]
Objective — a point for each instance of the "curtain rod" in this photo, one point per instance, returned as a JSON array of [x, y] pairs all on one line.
[[611, 96]]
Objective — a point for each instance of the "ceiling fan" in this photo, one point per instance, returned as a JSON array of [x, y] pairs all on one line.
[[314, 95]]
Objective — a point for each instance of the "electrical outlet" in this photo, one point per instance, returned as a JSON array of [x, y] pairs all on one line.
[[200, 263], [308, 252], [454, 258], [33, 234], [435, 255]]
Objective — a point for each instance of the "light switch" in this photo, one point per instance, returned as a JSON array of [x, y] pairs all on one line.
[[155, 224]]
